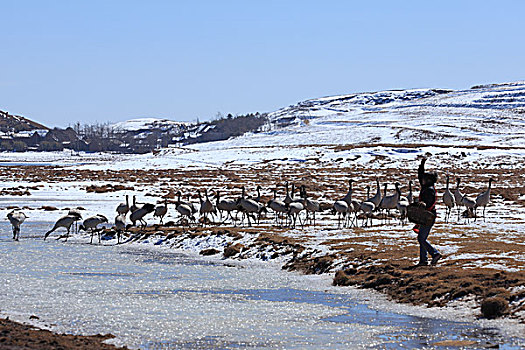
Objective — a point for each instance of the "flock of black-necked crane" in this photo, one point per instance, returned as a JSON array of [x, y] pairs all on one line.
[[287, 211]]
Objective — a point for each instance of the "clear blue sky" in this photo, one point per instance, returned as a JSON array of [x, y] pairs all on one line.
[[66, 61]]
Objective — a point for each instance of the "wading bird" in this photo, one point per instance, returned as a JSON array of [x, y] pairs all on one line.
[[16, 218]]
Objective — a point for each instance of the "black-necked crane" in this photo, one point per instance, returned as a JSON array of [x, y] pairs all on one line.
[[470, 205], [120, 225], [390, 202], [63, 222], [91, 225], [139, 214], [123, 208], [483, 199], [227, 205], [258, 198], [402, 206], [16, 218], [380, 206], [353, 210], [294, 209], [448, 199], [278, 206], [368, 207], [161, 210], [134, 206], [342, 206], [376, 199], [410, 195], [185, 210], [458, 196], [288, 199], [312, 206], [249, 206], [262, 206], [76, 213], [206, 207], [348, 197]]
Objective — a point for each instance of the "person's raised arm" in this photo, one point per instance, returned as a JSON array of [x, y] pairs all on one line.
[[421, 170]]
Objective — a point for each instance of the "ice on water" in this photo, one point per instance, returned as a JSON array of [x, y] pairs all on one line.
[[150, 297]]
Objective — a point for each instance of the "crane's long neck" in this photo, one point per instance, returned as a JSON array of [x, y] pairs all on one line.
[[127, 201], [258, 194], [447, 182], [385, 190], [367, 192], [274, 194]]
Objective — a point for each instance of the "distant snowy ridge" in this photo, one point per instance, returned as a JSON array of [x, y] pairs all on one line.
[[148, 123], [485, 115]]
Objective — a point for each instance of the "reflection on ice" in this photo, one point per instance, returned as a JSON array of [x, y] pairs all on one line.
[[158, 298]]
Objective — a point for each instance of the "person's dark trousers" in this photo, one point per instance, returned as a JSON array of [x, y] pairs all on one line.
[[424, 247]]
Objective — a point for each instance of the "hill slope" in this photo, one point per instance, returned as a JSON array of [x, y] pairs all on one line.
[[14, 123], [485, 115], [482, 127]]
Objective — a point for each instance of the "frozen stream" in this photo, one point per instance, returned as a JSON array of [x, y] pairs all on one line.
[[156, 298]]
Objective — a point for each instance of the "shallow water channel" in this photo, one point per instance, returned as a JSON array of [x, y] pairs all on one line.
[[156, 298]]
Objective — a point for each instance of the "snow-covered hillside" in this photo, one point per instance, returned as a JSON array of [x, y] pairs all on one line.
[[485, 115], [475, 128]]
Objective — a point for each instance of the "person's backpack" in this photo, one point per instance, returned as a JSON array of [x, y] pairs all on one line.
[[418, 214]]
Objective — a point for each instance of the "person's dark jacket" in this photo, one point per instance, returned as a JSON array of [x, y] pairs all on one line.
[[427, 194]]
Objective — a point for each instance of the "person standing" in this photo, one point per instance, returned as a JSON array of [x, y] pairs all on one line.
[[428, 197]]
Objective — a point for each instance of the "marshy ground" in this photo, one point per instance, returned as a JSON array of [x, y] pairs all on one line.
[[483, 259]]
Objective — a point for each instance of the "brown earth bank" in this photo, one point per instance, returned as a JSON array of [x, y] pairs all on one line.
[[437, 286], [14, 335]]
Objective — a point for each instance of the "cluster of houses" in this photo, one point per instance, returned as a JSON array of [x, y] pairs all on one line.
[[19, 134]]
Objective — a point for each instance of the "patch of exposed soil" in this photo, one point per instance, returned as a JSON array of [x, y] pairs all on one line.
[[107, 188], [15, 335]]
